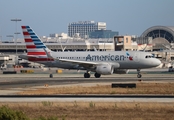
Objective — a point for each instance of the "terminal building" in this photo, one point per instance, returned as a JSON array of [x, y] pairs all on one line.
[[156, 38], [162, 41], [102, 34], [161, 36]]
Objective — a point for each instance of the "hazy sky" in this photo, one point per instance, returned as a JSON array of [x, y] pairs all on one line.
[[130, 17]]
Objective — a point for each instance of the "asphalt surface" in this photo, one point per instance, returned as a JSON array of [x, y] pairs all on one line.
[[33, 80], [10, 84]]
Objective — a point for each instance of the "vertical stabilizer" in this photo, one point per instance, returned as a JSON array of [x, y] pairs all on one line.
[[35, 47]]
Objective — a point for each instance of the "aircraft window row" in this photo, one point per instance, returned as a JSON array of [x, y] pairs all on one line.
[[149, 56], [71, 57]]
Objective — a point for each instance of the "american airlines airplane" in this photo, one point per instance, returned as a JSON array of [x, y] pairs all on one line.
[[100, 62]]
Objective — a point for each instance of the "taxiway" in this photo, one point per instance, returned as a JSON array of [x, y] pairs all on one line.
[[10, 84]]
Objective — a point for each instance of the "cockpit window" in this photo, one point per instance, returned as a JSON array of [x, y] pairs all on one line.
[[149, 56]]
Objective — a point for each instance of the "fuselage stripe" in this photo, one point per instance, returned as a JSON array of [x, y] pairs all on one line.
[[40, 59]]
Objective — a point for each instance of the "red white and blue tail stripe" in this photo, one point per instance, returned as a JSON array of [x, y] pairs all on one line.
[[35, 47]]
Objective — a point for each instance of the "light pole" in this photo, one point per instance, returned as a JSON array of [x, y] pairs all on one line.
[[16, 33], [1, 38]]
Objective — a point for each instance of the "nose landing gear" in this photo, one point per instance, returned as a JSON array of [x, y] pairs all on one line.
[[139, 73]]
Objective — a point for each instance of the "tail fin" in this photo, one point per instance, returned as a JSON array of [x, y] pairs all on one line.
[[35, 47]]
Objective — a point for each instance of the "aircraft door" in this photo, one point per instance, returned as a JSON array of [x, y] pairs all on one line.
[[136, 57]]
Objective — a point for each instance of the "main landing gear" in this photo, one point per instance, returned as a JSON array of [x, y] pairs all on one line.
[[139, 73], [97, 75], [87, 75]]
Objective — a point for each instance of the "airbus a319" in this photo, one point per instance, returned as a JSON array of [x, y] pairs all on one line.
[[100, 62]]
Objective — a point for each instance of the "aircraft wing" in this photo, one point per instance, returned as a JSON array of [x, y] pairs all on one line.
[[81, 63], [78, 62], [86, 64]]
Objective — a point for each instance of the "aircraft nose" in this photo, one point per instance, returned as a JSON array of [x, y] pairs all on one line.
[[157, 62]]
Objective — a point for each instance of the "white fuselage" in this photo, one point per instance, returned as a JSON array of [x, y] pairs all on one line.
[[135, 59]]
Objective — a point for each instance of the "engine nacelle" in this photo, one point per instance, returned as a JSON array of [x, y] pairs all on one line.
[[121, 71], [105, 69]]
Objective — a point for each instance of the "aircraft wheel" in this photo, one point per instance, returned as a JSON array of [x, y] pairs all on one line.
[[51, 75], [86, 75], [97, 75], [139, 76]]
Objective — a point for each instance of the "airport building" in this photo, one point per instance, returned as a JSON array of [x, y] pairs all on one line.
[[57, 45], [82, 28], [103, 34], [161, 36], [156, 38]]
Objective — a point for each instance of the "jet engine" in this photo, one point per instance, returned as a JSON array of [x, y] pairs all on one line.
[[105, 69], [121, 71]]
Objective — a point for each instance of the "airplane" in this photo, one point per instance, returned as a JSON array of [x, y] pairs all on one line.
[[100, 62]]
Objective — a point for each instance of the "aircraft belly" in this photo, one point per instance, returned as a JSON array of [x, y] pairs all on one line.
[[128, 65], [64, 65]]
